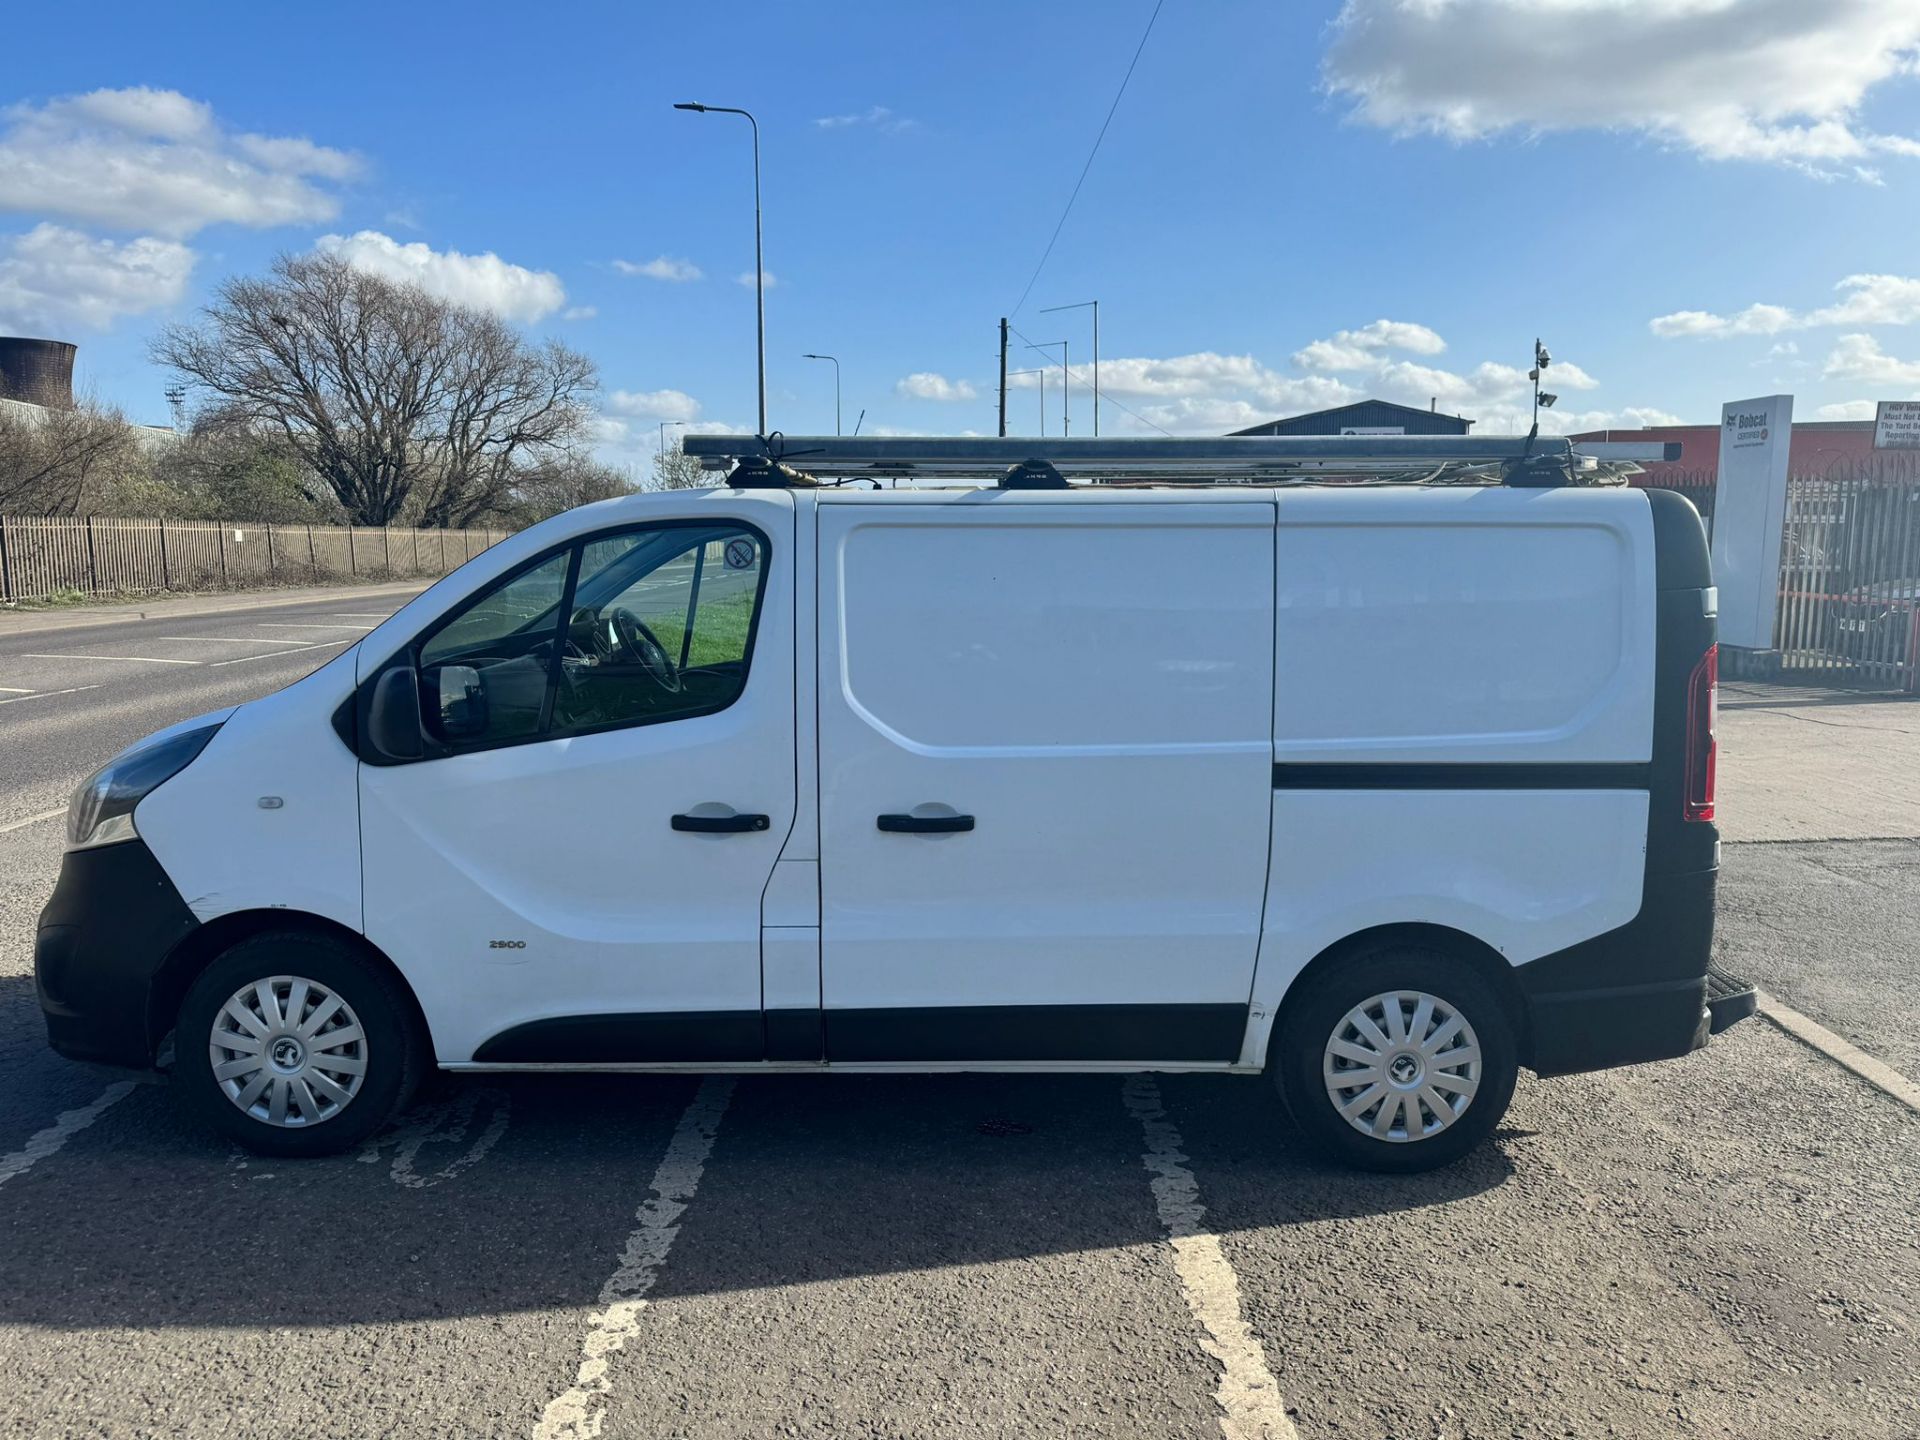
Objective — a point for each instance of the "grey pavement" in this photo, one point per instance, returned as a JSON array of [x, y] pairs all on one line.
[[1717, 1246]]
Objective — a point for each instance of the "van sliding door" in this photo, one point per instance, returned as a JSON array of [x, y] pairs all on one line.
[[1045, 776]]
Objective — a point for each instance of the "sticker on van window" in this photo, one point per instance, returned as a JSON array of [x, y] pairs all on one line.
[[740, 554]]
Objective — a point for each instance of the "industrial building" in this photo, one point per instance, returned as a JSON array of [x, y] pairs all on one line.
[[1366, 417]]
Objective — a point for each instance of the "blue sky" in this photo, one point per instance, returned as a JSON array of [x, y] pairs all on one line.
[[1295, 204]]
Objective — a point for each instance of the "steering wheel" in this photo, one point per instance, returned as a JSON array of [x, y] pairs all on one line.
[[632, 639]]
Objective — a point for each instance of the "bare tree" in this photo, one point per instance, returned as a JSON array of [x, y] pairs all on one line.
[[674, 469], [398, 400], [561, 484], [58, 462]]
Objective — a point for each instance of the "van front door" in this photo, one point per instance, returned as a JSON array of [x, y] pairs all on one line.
[[573, 873], [1045, 775]]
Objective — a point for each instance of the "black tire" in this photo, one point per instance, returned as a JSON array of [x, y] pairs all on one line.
[[392, 1052], [1309, 1023]]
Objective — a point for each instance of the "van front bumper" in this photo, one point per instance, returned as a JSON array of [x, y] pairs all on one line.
[[103, 939], [1637, 993]]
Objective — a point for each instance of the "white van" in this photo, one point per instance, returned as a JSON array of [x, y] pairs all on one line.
[[1383, 792]]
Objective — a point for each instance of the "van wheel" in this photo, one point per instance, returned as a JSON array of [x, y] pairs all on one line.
[[295, 1044], [1397, 1060]]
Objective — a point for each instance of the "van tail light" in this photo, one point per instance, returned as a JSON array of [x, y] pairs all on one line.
[[1703, 746]]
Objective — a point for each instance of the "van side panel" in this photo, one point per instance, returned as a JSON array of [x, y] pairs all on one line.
[[1089, 688], [1463, 721]]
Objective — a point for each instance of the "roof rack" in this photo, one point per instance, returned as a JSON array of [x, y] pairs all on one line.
[[1510, 459]]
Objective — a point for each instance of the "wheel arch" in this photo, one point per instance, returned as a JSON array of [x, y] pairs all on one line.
[[1471, 951], [194, 953]]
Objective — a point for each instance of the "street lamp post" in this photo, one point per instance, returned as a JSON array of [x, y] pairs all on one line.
[[1082, 305], [759, 267], [663, 432], [1015, 374], [836, 386], [1066, 392]]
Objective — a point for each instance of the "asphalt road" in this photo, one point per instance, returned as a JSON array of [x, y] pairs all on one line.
[[1723, 1245]]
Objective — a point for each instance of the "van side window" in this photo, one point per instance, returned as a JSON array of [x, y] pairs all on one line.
[[484, 675], [632, 628], [661, 626]]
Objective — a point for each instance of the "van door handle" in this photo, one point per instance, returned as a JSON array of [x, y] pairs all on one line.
[[720, 824], [924, 824]]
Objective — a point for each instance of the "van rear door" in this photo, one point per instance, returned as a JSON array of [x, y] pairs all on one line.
[[1044, 774]]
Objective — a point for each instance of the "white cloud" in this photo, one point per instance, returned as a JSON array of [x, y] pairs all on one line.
[[579, 312], [745, 277], [482, 282], [1849, 410], [655, 405], [1355, 349], [926, 385], [661, 267], [1860, 358], [878, 116], [52, 277], [157, 161], [1864, 300], [1778, 81]]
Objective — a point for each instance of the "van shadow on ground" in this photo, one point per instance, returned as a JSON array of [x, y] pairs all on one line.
[[504, 1194]]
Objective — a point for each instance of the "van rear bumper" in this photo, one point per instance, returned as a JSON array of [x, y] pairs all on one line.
[[1634, 994], [103, 938]]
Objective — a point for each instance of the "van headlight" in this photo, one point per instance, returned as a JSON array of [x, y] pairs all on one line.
[[101, 811]]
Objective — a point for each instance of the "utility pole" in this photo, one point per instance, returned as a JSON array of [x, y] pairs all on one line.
[[1003, 376]]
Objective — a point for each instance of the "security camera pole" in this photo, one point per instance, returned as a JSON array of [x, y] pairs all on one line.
[[1541, 360], [759, 268]]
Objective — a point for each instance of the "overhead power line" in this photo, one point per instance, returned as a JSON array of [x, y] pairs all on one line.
[[1106, 395], [1048, 253]]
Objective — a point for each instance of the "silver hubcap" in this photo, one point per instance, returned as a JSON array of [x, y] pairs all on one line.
[[1402, 1066], [288, 1051]]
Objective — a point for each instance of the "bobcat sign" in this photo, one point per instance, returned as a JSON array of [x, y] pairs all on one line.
[[1749, 512]]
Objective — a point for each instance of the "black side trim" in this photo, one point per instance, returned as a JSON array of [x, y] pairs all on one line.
[[113, 920], [1680, 558], [690, 1035], [1038, 1033], [1494, 776], [796, 1035]]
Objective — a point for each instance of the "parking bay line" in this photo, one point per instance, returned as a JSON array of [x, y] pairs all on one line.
[[16, 689], [225, 639], [579, 1411], [49, 694], [1251, 1407], [290, 625], [70, 1123], [1849, 1056]]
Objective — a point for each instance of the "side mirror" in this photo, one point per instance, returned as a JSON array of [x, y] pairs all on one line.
[[463, 702], [391, 723]]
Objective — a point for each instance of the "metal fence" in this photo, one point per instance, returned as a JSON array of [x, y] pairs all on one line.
[[44, 556], [1850, 576]]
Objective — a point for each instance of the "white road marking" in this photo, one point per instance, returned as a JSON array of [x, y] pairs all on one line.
[[363, 614], [1876, 1073], [32, 820], [269, 654], [16, 690], [49, 694], [1248, 1395], [143, 659], [442, 1124], [289, 625], [43, 1143], [578, 1412], [224, 639]]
